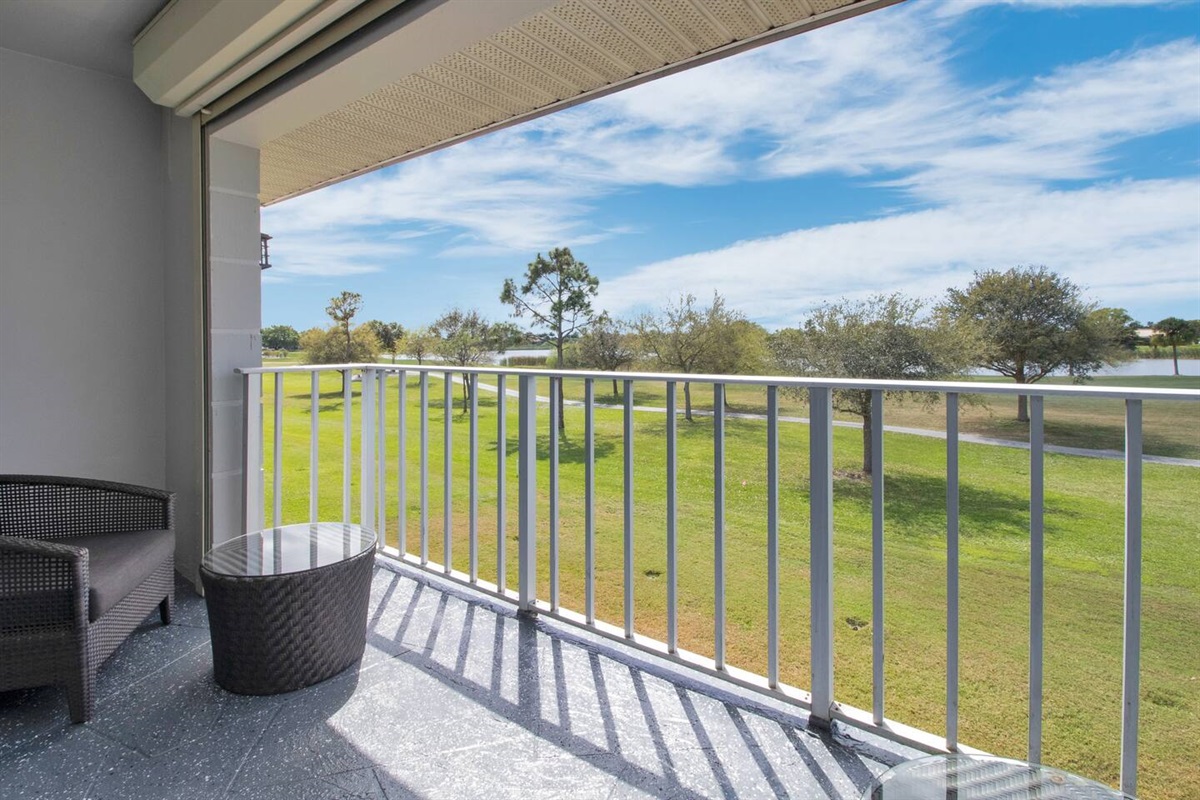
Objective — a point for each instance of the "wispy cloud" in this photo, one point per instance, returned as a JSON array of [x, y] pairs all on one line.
[[877, 99], [1130, 240]]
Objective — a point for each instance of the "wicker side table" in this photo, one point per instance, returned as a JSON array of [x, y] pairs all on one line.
[[287, 607]]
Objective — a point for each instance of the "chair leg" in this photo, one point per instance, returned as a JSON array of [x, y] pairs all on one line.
[[81, 698], [165, 608]]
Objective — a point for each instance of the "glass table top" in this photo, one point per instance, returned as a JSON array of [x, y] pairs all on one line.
[[969, 777], [292, 548]]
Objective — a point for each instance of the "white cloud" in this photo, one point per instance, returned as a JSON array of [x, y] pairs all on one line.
[[877, 98], [1126, 241]]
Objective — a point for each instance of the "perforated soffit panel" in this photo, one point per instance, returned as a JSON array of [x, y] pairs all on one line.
[[573, 50]]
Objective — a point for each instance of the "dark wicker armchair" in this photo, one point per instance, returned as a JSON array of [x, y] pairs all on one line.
[[82, 563]]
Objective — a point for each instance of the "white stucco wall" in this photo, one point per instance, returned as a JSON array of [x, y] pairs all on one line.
[[82, 249]]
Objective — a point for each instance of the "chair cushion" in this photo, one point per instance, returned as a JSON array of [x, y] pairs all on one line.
[[120, 562]]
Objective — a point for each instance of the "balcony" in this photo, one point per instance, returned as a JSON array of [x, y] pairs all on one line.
[[456, 696], [611, 610], [711, 547]]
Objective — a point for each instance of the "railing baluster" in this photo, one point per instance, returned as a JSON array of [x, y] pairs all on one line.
[[555, 392], [719, 524], [952, 571], [347, 414], [672, 521], [501, 499], [402, 466], [424, 477], [773, 537], [252, 436], [628, 489], [473, 521], [277, 455], [1133, 596], [1037, 581], [448, 473], [589, 502], [381, 377], [820, 468], [877, 556], [527, 493], [314, 447], [366, 485]]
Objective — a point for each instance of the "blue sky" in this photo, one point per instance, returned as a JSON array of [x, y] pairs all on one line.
[[898, 151]]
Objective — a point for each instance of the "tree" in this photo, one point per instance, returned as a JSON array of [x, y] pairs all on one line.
[[1175, 331], [557, 295], [685, 338], [739, 347], [281, 337], [419, 343], [341, 310], [329, 346], [465, 338], [1026, 323], [1123, 328], [389, 334], [884, 337], [605, 345]]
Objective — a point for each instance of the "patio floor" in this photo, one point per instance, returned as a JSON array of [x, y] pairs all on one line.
[[455, 697]]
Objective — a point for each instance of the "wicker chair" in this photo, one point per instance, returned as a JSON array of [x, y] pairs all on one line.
[[82, 563]]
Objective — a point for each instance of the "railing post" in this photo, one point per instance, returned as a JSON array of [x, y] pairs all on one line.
[[347, 443], [366, 479], [277, 454], [252, 442], [820, 467], [314, 446], [1133, 596], [527, 493]]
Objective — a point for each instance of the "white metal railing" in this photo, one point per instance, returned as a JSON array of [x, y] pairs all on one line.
[[819, 699]]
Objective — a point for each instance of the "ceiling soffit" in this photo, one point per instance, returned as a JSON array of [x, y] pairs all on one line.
[[574, 50]]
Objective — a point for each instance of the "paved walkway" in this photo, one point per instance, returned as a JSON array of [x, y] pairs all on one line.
[[1112, 455]]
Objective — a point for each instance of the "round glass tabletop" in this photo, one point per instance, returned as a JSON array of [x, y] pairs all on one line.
[[290, 549], [956, 776]]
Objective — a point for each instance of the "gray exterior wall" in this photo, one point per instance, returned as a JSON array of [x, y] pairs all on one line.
[[100, 327]]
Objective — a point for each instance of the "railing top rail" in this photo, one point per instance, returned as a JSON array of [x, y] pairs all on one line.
[[962, 387]]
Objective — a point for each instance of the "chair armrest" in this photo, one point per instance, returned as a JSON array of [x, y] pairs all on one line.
[[49, 506], [42, 584]]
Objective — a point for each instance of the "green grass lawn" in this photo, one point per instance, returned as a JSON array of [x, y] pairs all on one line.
[[1084, 529]]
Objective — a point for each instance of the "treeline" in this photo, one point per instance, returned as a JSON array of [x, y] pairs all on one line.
[[1024, 323]]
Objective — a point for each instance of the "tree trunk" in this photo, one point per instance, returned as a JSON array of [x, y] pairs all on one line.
[[466, 392], [1175, 356], [614, 387], [866, 428], [1022, 399], [687, 401]]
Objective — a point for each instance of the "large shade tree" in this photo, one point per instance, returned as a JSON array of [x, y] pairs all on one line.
[[884, 337], [556, 296], [1027, 323], [280, 337]]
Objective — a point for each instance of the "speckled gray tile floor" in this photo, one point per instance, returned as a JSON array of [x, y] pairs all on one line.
[[455, 698]]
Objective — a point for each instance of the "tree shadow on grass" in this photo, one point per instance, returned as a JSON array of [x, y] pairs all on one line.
[[915, 507], [570, 450]]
